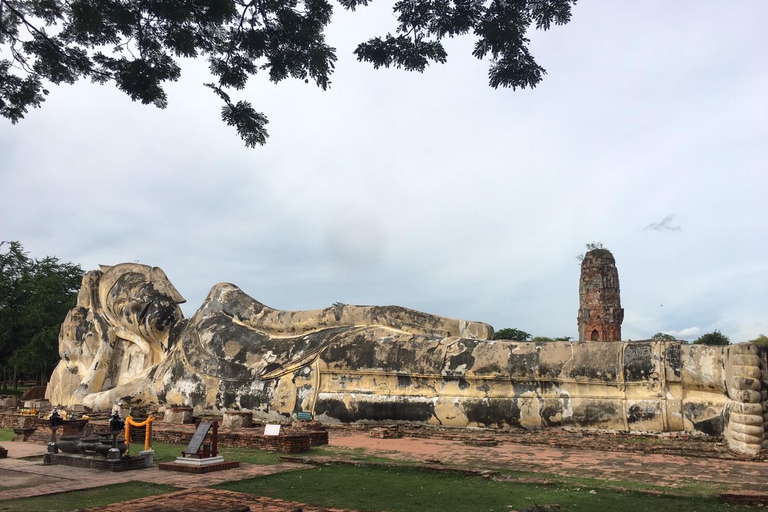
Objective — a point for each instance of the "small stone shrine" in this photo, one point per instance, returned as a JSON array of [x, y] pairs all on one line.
[[98, 451]]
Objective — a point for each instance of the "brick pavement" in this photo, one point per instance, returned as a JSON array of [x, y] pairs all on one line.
[[17, 450], [74, 479], [210, 500]]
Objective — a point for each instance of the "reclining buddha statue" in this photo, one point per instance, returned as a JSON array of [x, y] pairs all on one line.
[[127, 340]]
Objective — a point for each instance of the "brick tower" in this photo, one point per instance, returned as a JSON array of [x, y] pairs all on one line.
[[600, 311]]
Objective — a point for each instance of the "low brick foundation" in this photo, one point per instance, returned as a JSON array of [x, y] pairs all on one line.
[[388, 432], [289, 441], [186, 468], [12, 419]]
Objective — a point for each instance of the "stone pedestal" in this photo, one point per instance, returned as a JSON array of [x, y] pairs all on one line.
[[179, 415], [39, 405], [21, 435], [8, 401], [238, 419]]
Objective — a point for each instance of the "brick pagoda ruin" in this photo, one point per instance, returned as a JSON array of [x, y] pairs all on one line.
[[600, 311]]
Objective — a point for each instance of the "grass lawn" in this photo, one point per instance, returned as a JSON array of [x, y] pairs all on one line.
[[6, 434], [413, 490], [87, 498], [165, 452]]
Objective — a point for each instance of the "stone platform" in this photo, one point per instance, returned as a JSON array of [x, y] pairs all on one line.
[[185, 467], [95, 462]]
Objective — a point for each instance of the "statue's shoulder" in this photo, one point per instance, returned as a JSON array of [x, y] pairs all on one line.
[[229, 299]]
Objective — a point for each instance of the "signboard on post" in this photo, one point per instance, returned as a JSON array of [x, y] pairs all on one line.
[[197, 439], [303, 415], [272, 430]]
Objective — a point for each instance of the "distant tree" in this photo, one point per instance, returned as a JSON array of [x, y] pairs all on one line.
[[511, 334], [547, 338], [760, 340], [136, 44], [35, 296], [713, 338], [663, 337]]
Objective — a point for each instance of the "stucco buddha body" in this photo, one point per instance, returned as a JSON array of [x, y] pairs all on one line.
[[127, 340]]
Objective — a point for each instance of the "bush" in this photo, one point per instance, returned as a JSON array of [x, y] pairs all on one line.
[[760, 340], [713, 338], [511, 334]]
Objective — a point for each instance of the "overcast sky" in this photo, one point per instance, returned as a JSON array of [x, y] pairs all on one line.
[[434, 191]]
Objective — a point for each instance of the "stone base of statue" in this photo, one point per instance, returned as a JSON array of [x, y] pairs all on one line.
[[196, 465], [97, 461]]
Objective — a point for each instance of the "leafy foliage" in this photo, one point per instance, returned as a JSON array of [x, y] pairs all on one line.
[[136, 44], [713, 338], [760, 340], [547, 338], [591, 246], [511, 334], [663, 337], [35, 296]]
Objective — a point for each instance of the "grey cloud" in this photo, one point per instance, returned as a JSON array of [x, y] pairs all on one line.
[[664, 225]]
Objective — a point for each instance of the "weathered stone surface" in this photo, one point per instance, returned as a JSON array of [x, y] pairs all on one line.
[[179, 415], [237, 419], [8, 401], [117, 332], [600, 312], [368, 364]]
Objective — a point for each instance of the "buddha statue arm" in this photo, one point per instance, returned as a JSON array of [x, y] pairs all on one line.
[[252, 313]]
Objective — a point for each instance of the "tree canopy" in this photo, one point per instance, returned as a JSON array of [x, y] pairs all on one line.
[[35, 296], [511, 334], [136, 45], [713, 338]]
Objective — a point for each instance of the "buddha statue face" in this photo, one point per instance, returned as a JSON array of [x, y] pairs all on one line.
[[140, 303]]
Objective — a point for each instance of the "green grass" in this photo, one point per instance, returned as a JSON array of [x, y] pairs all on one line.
[[412, 490], [165, 452], [693, 488], [88, 498], [6, 434]]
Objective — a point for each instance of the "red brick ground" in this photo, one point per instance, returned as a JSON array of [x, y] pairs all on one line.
[[209, 500]]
